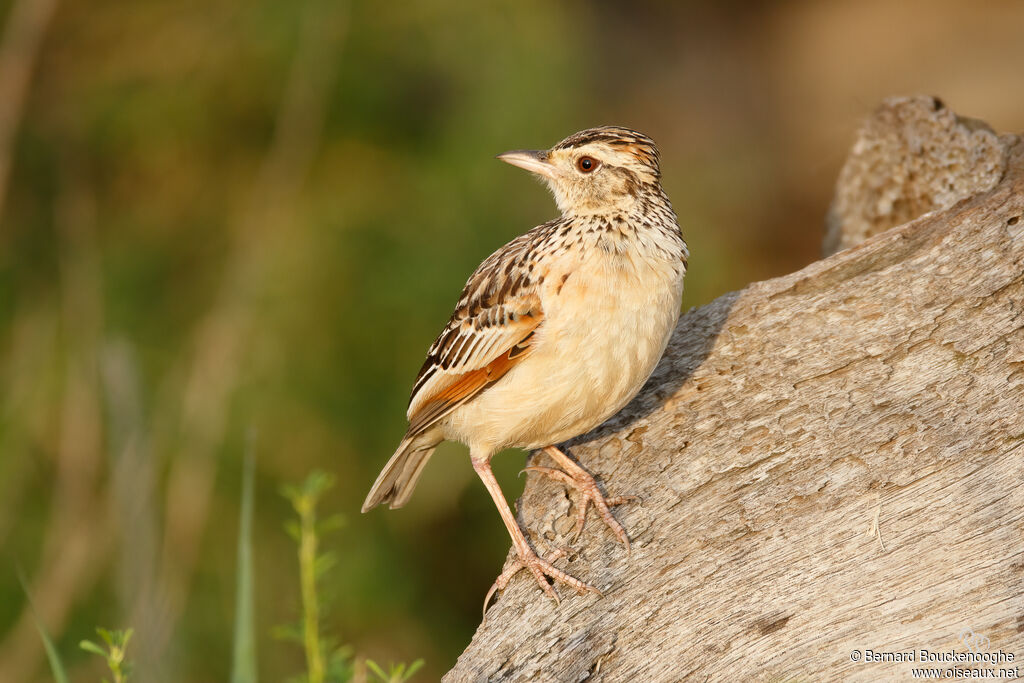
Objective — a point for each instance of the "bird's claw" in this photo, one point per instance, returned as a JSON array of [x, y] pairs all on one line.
[[585, 485], [541, 569]]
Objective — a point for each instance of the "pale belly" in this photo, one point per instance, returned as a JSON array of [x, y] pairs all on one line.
[[602, 336]]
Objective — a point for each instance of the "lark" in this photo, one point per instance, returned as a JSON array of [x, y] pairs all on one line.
[[554, 333]]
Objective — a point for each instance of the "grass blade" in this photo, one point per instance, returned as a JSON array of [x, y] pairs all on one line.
[[56, 666], [243, 664]]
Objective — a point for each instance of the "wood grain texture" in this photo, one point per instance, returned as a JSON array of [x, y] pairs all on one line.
[[828, 461]]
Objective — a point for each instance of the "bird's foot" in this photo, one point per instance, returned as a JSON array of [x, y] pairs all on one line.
[[586, 487], [541, 570]]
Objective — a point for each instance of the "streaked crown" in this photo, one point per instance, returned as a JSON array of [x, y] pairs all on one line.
[[617, 137]]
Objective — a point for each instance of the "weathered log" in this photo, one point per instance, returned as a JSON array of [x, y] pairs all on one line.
[[828, 462]]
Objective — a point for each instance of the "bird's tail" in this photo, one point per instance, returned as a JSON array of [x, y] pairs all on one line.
[[398, 478]]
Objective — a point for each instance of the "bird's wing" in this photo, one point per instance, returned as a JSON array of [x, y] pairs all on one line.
[[491, 330]]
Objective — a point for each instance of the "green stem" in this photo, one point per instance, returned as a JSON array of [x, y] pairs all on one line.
[[310, 606]]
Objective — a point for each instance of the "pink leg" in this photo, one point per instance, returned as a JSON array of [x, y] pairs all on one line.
[[575, 477], [527, 558]]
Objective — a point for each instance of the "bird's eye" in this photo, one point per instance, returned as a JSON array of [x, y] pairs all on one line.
[[586, 164]]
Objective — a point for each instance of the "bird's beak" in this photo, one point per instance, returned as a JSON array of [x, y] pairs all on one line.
[[534, 161]]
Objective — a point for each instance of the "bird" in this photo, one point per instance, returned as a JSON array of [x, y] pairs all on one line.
[[554, 333]]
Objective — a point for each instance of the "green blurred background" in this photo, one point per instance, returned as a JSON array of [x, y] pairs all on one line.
[[221, 215]]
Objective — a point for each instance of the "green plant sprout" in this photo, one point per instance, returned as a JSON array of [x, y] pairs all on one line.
[[339, 665], [397, 673], [117, 644], [313, 564]]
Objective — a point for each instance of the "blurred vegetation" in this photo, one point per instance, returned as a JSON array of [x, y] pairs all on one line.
[[222, 214]]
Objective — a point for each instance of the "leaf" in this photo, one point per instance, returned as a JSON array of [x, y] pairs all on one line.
[[324, 563], [377, 671], [332, 523], [243, 659], [56, 665], [288, 632], [92, 647], [413, 668], [316, 484], [291, 492], [340, 666]]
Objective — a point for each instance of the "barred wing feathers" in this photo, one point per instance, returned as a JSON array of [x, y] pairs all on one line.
[[488, 334]]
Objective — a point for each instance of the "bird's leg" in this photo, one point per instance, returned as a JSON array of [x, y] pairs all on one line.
[[527, 558], [575, 477]]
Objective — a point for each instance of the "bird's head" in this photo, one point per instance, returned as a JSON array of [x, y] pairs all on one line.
[[597, 170]]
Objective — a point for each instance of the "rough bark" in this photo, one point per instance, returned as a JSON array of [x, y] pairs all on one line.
[[912, 156], [828, 461]]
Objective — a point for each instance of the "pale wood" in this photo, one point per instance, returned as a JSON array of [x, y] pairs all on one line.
[[828, 461]]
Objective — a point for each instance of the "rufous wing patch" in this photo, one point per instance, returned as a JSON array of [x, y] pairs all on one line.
[[468, 385]]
